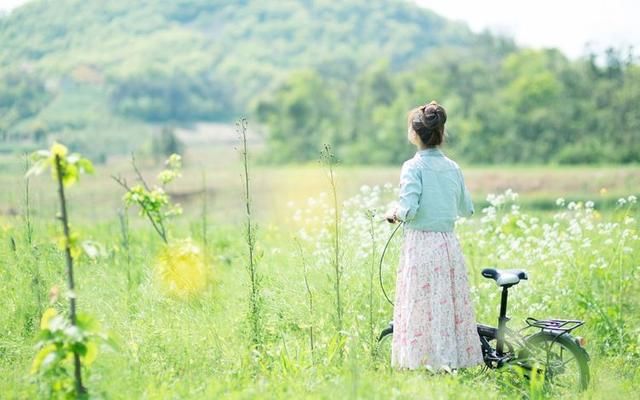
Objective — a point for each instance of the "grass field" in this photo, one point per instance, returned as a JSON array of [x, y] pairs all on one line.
[[582, 258]]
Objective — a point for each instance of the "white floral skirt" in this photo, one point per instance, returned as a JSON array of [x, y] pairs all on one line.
[[434, 324]]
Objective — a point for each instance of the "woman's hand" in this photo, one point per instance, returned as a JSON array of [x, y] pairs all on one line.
[[390, 216]]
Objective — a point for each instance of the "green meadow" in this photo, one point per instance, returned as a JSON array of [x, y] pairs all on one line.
[[566, 226]]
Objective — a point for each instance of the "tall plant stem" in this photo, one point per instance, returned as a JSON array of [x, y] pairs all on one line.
[[372, 270], [250, 237], [329, 159], [158, 227], [27, 206], [204, 216], [69, 260], [29, 233], [310, 300]]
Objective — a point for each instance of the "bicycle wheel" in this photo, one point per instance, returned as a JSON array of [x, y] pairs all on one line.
[[564, 363]]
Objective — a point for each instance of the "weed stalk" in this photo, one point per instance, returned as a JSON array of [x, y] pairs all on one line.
[[80, 389], [329, 159], [250, 237], [309, 299]]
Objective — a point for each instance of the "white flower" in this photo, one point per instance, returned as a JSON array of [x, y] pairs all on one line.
[[589, 204], [622, 201], [632, 199], [560, 202]]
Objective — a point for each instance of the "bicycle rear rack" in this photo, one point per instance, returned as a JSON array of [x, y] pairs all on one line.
[[555, 325]]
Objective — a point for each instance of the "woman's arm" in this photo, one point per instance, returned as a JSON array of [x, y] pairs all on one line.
[[465, 205], [410, 191]]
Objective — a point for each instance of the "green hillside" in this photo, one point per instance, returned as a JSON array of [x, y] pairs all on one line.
[[103, 76], [80, 68]]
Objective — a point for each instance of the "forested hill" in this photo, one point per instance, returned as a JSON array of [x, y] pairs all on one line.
[[99, 74], [188, 60]]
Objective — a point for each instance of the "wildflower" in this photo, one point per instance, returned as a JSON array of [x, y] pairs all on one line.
[[174, 161], [59, 150], [180, 269], [632, 199], [589, 204], [167, 176], [603, 191], [560, 202], [622, 201]]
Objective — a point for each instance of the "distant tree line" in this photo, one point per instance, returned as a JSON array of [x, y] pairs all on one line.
[[505, 105], [103, 75]]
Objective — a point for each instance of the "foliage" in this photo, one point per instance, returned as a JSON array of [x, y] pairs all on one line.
[[313, 72], [533, 105], [58, 341], [66, 169], [71, 165], [22, 95], [196, 349], [156, 62], [154, 203]]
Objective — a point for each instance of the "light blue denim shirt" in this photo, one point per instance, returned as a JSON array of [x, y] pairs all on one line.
[[432, 192]]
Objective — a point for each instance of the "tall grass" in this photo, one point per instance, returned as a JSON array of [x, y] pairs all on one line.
[[329, 160], [311, 319], [255, 301], [28, 227], [204, 215], [172, 348]]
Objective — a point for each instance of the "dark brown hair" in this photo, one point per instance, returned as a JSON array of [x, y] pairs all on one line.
[[427, 122]]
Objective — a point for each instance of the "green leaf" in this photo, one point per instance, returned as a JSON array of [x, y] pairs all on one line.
[[40, 356], [74, 333], [37, 168], [91, 353], [85, 166], [46, 318], [87, 323], [73, 158], [50, 360], [57, 323], [80, 348], [70, 174]]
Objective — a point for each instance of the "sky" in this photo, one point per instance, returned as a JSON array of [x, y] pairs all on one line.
[[566, 24]]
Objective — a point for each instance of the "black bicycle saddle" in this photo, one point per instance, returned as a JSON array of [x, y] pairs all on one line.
[[504, 277]]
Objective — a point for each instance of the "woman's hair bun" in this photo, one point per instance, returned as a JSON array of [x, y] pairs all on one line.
[[428, 122], [434, 114]]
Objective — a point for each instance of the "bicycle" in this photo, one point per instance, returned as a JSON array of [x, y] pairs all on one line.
[[552, 351]]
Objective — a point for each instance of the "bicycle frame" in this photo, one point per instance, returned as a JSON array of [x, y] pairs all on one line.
[[497, 357]]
